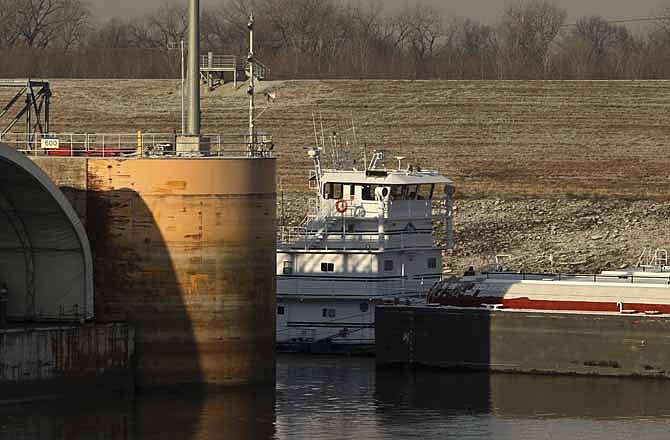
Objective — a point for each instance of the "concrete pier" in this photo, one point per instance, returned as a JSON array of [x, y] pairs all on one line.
[[40, 362], [184, 252]]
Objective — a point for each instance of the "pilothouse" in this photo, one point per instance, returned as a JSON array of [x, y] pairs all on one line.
[[370, 236]]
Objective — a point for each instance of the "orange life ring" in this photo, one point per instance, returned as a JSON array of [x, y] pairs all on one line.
[[341, 206]]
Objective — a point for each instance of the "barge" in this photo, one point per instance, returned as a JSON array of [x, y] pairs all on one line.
[[609, 324]]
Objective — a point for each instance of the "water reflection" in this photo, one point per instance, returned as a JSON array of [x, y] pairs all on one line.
[[338, 398], [523, 395], [235, 414]]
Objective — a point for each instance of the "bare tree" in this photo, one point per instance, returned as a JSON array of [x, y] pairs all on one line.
[[113, 34], [75, 25], [51, 23], [419, 30], [9, 20], [476, 47], [336, 38], [526, 32], [169, 25], [595, 47]]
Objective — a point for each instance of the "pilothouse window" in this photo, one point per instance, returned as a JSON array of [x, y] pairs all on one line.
[[327, 267], [332, 191], [412, 192], [396, 192], [425, 192], [337, 191]]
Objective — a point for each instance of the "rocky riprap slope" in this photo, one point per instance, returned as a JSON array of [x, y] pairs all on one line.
[[545, 235]]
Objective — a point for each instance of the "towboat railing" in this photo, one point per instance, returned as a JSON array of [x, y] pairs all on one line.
[[322, 227], [299, 238], [341, 286]]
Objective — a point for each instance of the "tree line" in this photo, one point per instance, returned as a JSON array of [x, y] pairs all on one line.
[[332, 39]]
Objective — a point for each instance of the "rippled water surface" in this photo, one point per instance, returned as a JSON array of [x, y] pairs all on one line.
[[340, 398]]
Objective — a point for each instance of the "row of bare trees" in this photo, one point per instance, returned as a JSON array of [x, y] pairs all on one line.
[[39, 24], [331, 39]]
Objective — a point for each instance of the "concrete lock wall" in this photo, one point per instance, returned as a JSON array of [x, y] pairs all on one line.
[[65, 360], [184, 251]]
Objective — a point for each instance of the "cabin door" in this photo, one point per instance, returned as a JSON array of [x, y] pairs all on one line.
[[282, 321]]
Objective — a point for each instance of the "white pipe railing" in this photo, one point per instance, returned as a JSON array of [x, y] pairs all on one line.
[[350, 287], [133, 144]]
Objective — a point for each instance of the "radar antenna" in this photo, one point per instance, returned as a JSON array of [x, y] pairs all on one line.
[[377, 157]]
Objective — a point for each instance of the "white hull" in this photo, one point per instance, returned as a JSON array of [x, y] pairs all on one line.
[[327, 322]]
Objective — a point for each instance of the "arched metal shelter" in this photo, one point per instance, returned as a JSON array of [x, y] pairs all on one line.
[[45, 256]]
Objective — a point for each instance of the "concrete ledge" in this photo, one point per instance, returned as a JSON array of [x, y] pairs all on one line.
[[61, 361]]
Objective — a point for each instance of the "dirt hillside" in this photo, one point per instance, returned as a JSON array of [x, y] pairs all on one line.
[[570, 172]]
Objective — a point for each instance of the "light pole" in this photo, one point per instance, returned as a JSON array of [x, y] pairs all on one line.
[[183, 79], [193, 128], [251, 90]]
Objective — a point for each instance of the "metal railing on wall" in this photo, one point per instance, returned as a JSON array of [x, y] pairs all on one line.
[[135, 145]]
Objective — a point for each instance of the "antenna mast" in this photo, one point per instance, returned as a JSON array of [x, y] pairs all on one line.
[[251, 91], [316, 135]]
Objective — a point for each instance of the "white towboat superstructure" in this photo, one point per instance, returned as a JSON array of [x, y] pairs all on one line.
[[370, 238]]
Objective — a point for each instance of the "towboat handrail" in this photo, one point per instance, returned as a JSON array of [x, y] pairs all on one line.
[[370, 288]]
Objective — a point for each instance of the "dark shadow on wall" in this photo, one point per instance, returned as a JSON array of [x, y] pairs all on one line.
[[136, 282]]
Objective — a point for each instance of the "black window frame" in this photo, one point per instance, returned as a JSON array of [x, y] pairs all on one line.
[[389, 267], [337, 188], [329, 190], [425, 195], [409, 193], [368, 191]]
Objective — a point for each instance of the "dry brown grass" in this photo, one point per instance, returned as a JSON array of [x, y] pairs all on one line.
[[495, 139]]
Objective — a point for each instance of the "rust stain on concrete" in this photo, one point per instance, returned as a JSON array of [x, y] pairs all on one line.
[[185, 251], [177, 184]]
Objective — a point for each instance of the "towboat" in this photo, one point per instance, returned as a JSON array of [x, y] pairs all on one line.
[[369, 237]]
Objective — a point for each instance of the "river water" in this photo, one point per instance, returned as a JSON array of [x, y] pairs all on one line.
[[338, 398]]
